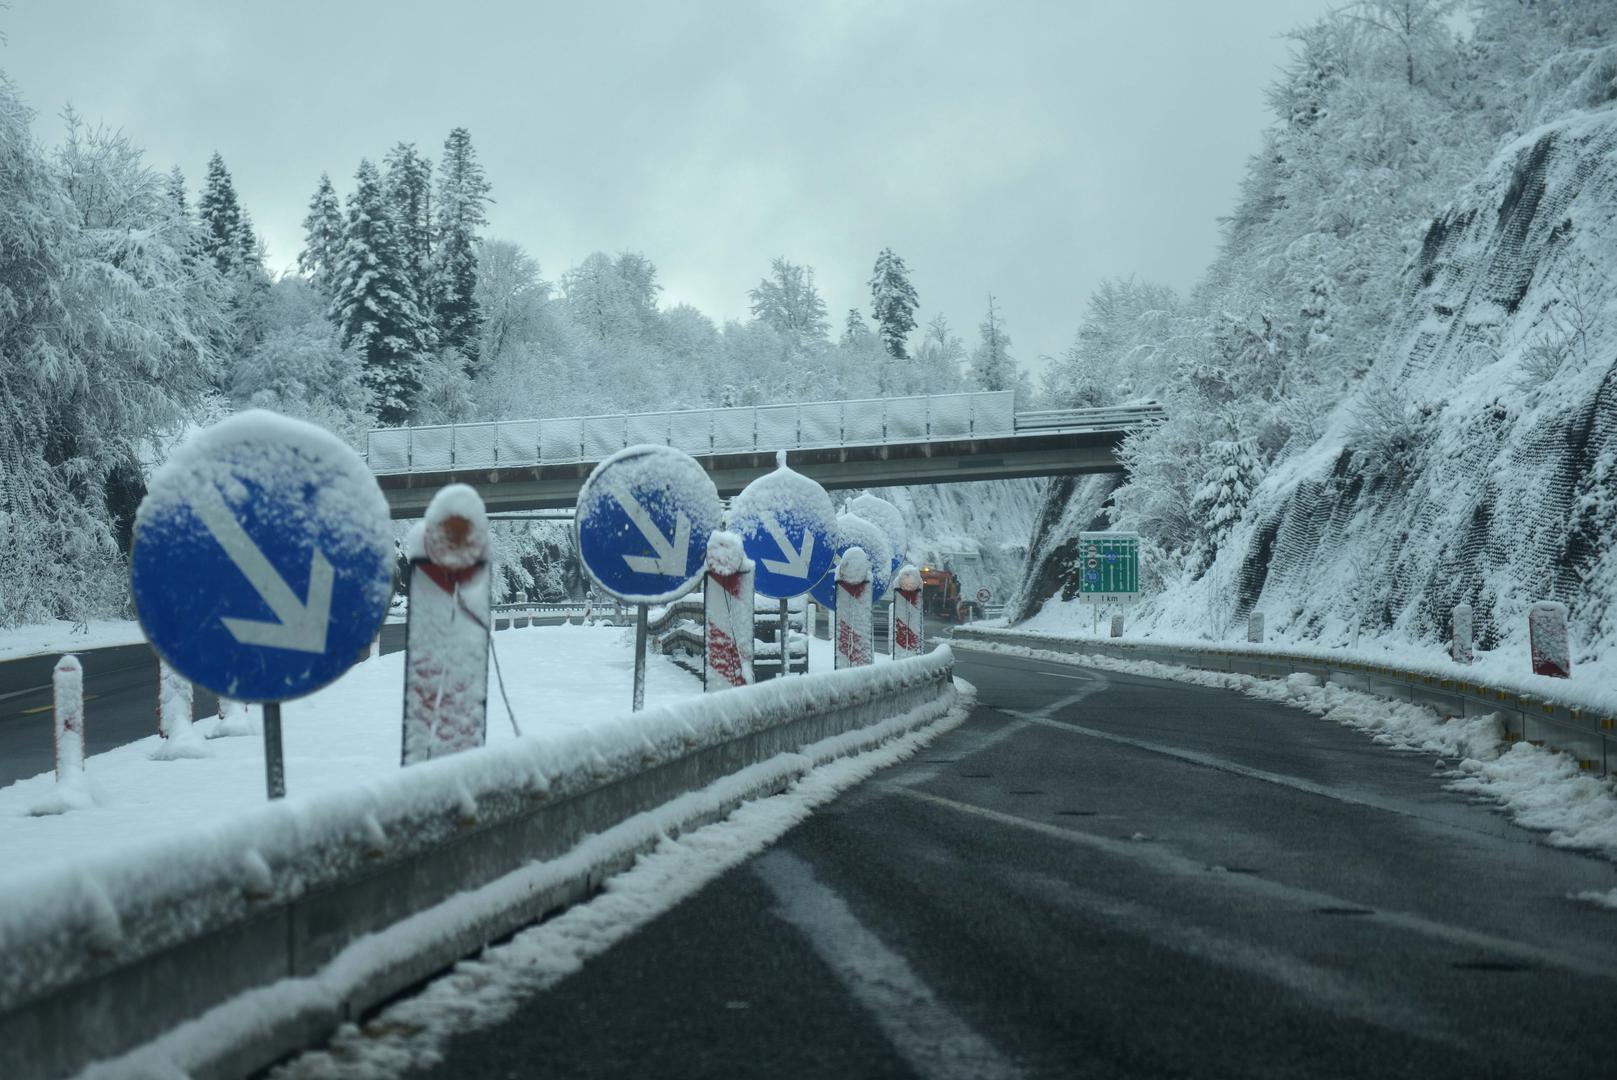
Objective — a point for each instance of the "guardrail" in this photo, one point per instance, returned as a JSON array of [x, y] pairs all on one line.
[[808, 425], [1108, 418], [1589, 737], [113, 954]]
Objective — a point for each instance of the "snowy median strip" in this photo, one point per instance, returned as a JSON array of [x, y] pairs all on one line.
[[1540, 790]]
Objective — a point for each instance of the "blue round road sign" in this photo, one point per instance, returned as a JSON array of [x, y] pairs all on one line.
[[644, 516], [854, 530], [263, 558], [788, 527]]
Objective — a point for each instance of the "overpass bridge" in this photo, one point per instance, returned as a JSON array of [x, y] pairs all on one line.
[[884, 442]]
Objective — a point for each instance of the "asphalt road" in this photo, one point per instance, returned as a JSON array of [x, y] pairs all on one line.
[[120, 706], [1107, 876]]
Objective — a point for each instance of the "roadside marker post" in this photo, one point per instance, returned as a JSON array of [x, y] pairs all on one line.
[[855, 586], [1254, 627], [727, 614], [1117, 624], [262, 563], [1547, 633], [446, 634], [67, 686], [908, 629], [1460, 639], [643, 520]]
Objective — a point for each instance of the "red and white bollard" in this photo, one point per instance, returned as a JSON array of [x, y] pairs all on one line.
[[1546, 629], [1460, 637], [67, 683], [853, 609], [175, 721], [447, 631], [727, 602], [1254, 627], [908, 629]]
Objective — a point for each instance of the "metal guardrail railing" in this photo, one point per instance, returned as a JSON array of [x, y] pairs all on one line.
[[1589, 737], [804, 426]]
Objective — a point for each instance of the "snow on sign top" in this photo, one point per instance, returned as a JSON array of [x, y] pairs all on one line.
[[644, 518], [263, 558], [789, 528], [855, 531], [889, 519]]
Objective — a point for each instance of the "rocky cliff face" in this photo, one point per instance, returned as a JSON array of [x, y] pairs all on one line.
[[1477, 461]]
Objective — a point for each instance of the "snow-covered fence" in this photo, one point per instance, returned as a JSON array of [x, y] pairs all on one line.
[[1564, 722], [701, 432], [107, 954]]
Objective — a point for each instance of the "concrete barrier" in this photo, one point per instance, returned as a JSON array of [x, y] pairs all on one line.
[[1566, 726], [99, 960]]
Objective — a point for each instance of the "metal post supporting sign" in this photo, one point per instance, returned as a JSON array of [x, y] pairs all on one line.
[[644, 517], [262, 563]]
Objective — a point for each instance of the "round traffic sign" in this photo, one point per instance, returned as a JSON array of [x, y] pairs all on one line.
[[789, 529], [853, 531], [984, 595], [889, 519], [644, 517], [263, 558]]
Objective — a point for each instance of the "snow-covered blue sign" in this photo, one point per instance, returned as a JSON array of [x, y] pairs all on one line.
[[789, 529], [853, 530], [644, 516], [263, 558], [887, 517]]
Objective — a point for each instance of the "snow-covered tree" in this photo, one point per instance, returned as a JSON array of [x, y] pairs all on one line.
[[373, 305], [893, 302], [1228, 480], [220, 212], [788, 301], [854, 327], [938, 359], [463, 193], [409, 195], [322, 238], [991, 365]]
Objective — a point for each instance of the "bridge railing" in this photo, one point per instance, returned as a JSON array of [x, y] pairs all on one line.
[[1108, 418], [809, 425]]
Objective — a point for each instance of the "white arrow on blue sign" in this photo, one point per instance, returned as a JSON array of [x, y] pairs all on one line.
[[854, 530], [788, 527], [263, 558], [644, 516]]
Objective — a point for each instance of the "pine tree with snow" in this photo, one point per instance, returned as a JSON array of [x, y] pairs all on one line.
[[991, 365], [322, 252], [854, 327], [1227, 485], [221, 218], [409, 194], [373, 305], [893, 302], [462, 196]]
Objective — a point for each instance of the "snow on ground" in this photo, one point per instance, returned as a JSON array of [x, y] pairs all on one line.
[[1538, 788], [62, 636]]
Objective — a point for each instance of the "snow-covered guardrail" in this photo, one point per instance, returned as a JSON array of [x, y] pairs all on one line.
[[1558, 722], [1102, 419], [283, 922]]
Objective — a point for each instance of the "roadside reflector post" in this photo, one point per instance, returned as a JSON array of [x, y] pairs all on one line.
[[908, 630], [1117, 624], [1460, 640], [1546, 629], [274, 761], [784, 636], [853, 609], [727, 614], [446, 634], [173, 703], [1254, 627], [67, 684]]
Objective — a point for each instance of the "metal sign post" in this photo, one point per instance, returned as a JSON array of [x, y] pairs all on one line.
[[262, 563], [644, 517]]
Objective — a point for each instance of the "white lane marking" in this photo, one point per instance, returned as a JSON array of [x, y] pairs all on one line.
[[935, 1042], [1060, 675], [1166, 861]]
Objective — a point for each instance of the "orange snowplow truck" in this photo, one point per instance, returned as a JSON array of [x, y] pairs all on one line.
[[940, 594]]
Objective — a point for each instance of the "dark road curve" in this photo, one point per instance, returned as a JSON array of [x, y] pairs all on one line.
[[120, 690], [1101, 875]]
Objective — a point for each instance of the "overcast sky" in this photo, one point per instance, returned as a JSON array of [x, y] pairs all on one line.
[[1028, 149]]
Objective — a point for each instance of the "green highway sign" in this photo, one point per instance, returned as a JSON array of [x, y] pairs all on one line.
[[1108, 566]]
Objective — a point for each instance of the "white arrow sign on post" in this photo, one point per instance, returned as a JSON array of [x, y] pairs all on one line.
[[796, 563], [672, 556], [301, 626]]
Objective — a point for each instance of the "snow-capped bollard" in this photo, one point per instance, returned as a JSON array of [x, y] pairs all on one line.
[[1254, 627], [67, 684], [446, 634], [1546, 629], [853, 609], [907, 626], [1117, 624], [1460, 639], [727, 604], [174, 703]]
